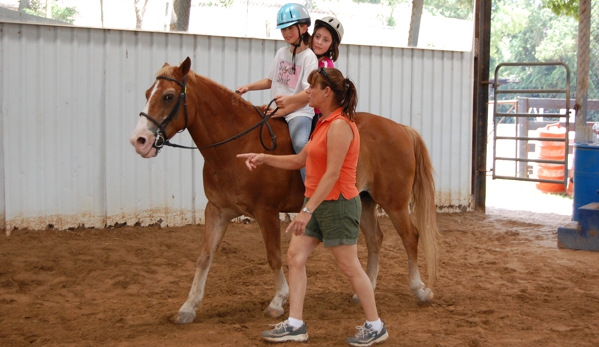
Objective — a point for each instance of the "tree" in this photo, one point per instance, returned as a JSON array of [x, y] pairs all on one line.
[[23, 4], [182, 11], [461, 9], [139, 12], [49, 9], [525, 31], [562, 7], [417, 6]]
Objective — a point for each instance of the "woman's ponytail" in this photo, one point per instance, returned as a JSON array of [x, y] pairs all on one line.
[[350, 98]]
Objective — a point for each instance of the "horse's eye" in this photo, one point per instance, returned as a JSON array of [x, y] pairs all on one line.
[[168, 97]]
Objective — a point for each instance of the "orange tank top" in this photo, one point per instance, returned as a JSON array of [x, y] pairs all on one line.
[[316, 162]]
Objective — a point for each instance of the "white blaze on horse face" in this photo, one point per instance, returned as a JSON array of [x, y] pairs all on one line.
[[142, 137], [147, 107]]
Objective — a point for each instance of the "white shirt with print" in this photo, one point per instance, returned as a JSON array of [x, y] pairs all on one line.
[[285, 82]]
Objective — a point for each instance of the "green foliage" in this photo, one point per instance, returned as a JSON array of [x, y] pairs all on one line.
[[563, 7], [391, 20], [461, 9], [226, 3], [61, 13], [367, 1], [525, 31]]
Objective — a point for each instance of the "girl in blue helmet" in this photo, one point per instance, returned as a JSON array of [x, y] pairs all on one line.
[[288, 75]]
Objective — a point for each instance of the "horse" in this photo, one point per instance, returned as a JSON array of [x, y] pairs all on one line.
[[394, 171]]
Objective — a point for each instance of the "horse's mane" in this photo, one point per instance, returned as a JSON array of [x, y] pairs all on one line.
[[194, 77]]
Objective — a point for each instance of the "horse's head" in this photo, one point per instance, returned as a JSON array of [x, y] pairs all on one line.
[[165, 112]]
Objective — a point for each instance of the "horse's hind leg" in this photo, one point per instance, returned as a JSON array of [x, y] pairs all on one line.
[[409, 236], [217, 221], [374, 238], [270, 226]]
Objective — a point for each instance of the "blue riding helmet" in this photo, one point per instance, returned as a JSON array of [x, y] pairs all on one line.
[[291, 14]]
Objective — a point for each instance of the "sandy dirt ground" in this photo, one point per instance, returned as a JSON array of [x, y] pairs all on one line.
[[502, 282]]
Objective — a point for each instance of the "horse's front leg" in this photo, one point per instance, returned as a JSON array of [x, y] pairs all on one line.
[[270, 226], [217, 221]]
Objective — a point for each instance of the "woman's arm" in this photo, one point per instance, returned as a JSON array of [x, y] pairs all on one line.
[[287, 162]]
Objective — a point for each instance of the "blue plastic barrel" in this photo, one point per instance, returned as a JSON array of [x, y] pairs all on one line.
[[586, 176]]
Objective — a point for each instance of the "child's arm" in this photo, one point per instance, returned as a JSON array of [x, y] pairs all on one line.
[[290, 103], [258, 85]]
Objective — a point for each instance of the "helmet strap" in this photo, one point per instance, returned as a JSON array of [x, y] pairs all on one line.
[[327, 54], [295, 47]]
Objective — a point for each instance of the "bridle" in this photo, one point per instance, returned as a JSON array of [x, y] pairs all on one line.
[[163, 140]]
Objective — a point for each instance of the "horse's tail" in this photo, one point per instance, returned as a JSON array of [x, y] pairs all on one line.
[[422, 204]]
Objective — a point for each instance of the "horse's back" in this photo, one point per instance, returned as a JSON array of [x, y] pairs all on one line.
[[386, 166]]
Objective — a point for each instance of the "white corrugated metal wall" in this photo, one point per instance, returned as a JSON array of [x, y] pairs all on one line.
[[71, 97]]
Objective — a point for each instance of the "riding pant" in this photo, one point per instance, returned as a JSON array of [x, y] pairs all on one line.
[[299, 129]]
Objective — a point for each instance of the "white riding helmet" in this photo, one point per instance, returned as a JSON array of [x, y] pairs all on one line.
[[332, 24]]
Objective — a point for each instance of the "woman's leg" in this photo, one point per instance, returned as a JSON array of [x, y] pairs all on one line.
[[299, 250], [299, 130], [348, 262]]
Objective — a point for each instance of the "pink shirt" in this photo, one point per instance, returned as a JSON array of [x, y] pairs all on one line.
[[324, 62]]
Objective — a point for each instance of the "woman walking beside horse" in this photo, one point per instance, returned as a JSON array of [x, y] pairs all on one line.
[[332, 207]]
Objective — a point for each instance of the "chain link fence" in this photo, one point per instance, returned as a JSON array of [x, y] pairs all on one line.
[[593, 91], [367, 22]]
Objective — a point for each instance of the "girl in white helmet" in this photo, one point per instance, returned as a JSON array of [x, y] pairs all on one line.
[[288, 75], [326, 39], [325, 42]]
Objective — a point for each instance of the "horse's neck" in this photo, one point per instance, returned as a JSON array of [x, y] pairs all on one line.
[[218, 114]]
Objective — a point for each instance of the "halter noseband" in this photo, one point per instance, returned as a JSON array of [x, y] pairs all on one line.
[[161, 137]]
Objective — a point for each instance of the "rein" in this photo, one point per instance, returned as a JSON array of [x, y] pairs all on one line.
[[163, 140]]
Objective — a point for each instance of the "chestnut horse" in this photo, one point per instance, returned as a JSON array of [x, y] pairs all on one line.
[[394, 171]]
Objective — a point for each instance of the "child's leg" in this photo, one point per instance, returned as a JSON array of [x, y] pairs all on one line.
[[299, 129]]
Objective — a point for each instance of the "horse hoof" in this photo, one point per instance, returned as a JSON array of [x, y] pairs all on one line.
[[430, 295], [274, 312], [425, 295], [185, 317], [355, 299]]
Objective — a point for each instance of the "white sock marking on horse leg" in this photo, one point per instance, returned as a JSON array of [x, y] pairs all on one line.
[[275, 308], [416, 284], [196, 294]]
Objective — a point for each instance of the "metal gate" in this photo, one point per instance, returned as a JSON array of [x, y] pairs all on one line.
[[520, 138]]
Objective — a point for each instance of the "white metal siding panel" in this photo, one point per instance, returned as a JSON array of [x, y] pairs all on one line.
[[71, 97]]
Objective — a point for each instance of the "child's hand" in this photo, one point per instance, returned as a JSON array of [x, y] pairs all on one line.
[[282, 101], [241, 90]]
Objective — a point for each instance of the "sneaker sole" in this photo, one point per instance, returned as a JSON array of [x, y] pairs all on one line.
[[381, 339], [296, 338]]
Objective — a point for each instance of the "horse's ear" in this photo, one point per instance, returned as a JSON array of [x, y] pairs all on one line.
[[165, 65], [185, 66]]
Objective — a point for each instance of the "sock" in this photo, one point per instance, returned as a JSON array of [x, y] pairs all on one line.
[[296, 323], [376, 325]]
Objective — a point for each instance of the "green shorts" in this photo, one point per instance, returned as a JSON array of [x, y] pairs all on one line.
[[336, 222]]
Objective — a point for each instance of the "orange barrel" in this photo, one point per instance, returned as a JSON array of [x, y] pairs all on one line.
[[551, 150]]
